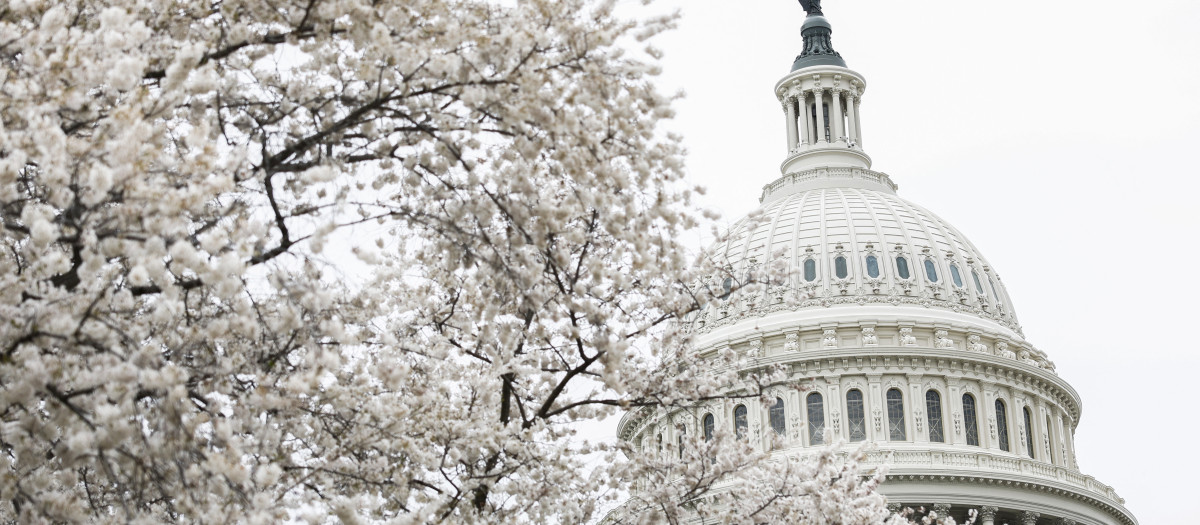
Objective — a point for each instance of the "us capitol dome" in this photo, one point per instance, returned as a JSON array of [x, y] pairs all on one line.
[[902, 330]]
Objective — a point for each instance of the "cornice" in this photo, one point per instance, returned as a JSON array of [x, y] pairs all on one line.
[[1104, 499]]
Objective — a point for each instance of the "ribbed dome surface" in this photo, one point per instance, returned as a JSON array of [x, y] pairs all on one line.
[[866, 246]]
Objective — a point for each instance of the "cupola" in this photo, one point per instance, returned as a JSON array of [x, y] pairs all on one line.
[[821, 100]]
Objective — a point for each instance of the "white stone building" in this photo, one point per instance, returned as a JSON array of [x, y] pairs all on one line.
[[903, 331]]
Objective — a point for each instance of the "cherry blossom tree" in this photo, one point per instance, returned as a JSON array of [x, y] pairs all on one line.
[[183, 185]]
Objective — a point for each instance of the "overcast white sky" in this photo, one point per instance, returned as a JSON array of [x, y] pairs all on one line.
[[1059, 136]]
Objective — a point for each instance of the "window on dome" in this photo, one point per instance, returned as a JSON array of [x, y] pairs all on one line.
[[955, 276], [816, 419], [810, 270], [710, 424], [856, 415], [978, 285], [660, 445], [933, 405], [726, 287], [895, 408], [872, 266], [930, 271], [971, 419], [740, 424], [992, 284], [1002, 424], [902, 267], [839, 267], [778, 423], [1028, 432]]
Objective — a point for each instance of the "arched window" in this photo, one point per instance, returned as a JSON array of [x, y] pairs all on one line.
[[872, 266], [930, 271], [839, 267], [778, 423], [1002, 424], [682, 432], [902, 267], [933, 405], [856, 415], [971, 420], [978, 285], [1028, 432], [955, 275], [740, 424], [726, 287], [660, 445], [710, 424], [895, 408], [816, 419], [810, 270], [995, 294]]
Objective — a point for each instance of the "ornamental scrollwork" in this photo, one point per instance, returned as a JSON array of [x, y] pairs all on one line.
[[941, 339], [868, 336], [829, 338]]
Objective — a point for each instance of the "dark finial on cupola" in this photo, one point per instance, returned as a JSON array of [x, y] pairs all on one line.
[[812, 7], [818, 42]]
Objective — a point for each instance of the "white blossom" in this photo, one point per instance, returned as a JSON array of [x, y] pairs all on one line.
[[183, 183]]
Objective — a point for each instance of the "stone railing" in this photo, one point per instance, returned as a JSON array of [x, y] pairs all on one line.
[[981, 463], [841, 174]]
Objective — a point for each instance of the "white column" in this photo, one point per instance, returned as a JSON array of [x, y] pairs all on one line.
[[952, 406], [918, 408], [986, 410], [833, 407], [789, 109], [1029, 517], [988, 515], [1069, 438], [838, 117], [857, 122], [852, 117], [809, 134], [819, 104]]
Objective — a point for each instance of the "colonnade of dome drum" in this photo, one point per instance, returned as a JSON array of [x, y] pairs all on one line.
[[930, 396]]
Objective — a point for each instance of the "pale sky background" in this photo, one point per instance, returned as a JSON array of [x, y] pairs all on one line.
[[1059, 136]]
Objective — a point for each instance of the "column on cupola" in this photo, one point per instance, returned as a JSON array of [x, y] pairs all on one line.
[[857, 122], [789, 111], [851, 117], [838, 117], [809, 137], [819, 106]]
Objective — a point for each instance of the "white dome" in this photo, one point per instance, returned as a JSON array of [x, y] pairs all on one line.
[[894, 252]]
